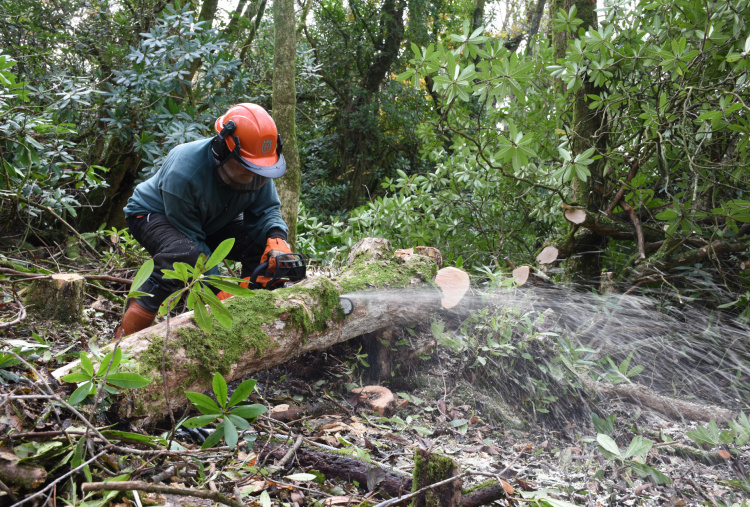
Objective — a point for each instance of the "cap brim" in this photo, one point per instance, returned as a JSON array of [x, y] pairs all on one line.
[[270, 171]]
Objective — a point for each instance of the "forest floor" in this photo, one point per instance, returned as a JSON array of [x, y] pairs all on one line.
[[442, 404]]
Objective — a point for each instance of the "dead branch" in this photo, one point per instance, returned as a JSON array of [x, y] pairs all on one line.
[[161, 489]]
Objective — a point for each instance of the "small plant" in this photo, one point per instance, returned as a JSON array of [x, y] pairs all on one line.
[[603, 426], [233, 415], [738, 434], [622, 373], [106, 377], [199, 288], [633, 458]]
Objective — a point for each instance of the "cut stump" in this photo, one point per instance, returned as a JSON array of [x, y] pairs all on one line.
[[59, 297], [430, 468]]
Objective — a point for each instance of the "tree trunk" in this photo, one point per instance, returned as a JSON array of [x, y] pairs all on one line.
[[269, 328], [284, 109]]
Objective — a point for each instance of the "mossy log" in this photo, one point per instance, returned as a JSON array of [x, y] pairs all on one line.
[[59, 297], [270, 328], [430, 468]]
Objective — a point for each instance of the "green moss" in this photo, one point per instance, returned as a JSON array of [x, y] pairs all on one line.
[[428, 469], [477, 487], [218, 350], [391, 272]]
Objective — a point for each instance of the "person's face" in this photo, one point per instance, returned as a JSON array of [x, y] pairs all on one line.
[[238, 178], [237, 173]]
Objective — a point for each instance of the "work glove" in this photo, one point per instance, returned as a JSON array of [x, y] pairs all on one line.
[[274, 248]]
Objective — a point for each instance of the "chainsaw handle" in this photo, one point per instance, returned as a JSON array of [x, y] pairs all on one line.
[[258, 271]]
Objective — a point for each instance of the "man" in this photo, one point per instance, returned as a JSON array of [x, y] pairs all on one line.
[[205, 192]]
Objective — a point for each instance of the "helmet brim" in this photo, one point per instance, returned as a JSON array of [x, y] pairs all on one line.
[[270, 171]]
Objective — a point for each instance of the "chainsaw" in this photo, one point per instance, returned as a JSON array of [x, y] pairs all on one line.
[[290, 269]]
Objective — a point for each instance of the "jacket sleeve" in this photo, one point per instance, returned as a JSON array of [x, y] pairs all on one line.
[[264, 214]]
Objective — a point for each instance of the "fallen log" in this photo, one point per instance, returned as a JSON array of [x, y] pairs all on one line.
[[270, 328], [340, 466]]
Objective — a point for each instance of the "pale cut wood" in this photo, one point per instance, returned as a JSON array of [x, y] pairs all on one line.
[[521, 275], [575, 215], [379, 398], [548, 255], [454, 283]]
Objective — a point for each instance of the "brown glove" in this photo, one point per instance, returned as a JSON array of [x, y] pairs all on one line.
[[274, 248]]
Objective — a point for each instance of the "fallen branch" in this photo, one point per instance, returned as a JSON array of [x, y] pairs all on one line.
[[159, 489], [672, 407]]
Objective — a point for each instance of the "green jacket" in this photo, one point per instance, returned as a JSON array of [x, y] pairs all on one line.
[[185, 189]]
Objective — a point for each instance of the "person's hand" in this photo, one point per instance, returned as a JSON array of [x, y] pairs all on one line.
[[274, 248]]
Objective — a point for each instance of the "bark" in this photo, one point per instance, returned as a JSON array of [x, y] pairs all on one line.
[[284, 109], [269, 328], [534, 29], [59, 297]]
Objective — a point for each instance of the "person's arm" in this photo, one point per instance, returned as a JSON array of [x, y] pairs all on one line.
[[263, 218]]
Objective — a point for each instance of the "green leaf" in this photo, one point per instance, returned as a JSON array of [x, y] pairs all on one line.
[[220, 253], [75, 377], [201, 420], [203, 403], [214, 438], [217, 308], [243, 391], [231, 288], [105, 363], [241, 423], [80, 394], [608, 444], [249, 411], [230, 433], [128, 380], [86, 364], [202, 317], [220, 389], [639, 446], [144, 272]]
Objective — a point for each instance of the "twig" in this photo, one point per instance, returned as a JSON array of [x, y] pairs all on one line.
[[19, 318], [13, 498], [290, 452], [514, 459], [159, 488], [393, 501], [638, 229], [61, 478]]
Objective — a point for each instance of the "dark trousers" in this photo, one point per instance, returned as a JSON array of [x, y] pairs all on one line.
[[167, 245]]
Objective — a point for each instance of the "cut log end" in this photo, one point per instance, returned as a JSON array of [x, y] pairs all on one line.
[[548, 255], [454, 283], [575, 215], [521, 275]]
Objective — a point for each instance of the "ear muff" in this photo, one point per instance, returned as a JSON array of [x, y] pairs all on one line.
[[219, 145]]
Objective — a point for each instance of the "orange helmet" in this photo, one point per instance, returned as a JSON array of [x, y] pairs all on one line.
[[252, 139]]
